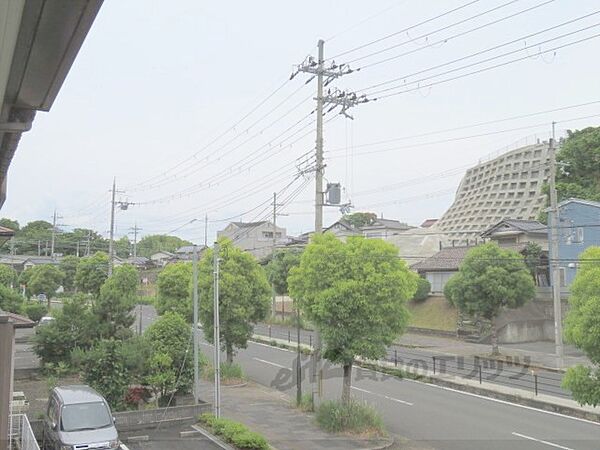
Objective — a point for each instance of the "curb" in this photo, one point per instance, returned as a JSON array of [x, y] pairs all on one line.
[[234, 386], [215, 440]]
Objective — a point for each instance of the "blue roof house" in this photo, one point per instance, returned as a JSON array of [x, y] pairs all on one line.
[[578, 229]]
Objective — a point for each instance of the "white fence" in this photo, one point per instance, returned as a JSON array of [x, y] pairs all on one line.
[[21, 434]]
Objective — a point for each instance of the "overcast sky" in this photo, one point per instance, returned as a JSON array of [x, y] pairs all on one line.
[[155, 92]]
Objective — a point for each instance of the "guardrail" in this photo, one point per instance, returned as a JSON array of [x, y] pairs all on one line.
[[21, 434], [517, 373]]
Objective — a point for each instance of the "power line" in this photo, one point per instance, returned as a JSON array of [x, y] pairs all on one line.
[[396, 33], [445, 40], [485, 69]]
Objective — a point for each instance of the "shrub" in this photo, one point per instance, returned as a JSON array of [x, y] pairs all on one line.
[[35, 311], [423, 290], [306, 403], [230, 373], [10, 300], [235, 433], [353, 416]]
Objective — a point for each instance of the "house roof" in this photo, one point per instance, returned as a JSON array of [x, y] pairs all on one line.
[[249, 224], [18, 320], [580, 201], [41, 260], [447, 259], [6, 232], [526, 226], [164, 252], [387, 223], [190, 249], [428, 223], [343, 223], [140, 260]]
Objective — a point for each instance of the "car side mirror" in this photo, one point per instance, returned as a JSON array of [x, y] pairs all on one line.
[[114, 420], [53, 425]]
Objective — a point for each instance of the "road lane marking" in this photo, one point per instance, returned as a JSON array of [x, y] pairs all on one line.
[[272, 346], [271, 363], [551, 444], [387, 397], [504, 402]]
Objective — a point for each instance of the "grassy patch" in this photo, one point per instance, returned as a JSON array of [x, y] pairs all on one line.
[[353, 417], [231, 374], [234, 433], [306, 403], [435, 313]]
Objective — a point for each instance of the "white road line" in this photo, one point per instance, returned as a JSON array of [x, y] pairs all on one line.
[[271, 363], [551, 444], [383, 396], [504, 402]]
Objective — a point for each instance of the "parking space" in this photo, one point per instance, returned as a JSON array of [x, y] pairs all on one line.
[[166, 437]]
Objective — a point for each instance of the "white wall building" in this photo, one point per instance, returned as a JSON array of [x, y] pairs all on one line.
[[254, 237]]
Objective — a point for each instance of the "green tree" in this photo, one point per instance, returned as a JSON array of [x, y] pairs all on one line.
[[68, 266], [91, 273], [360, 219], [9, 223], [151, 244], [279, 267], [533, 258], [355, 293], [170, 335], [44, 279], [104, 370], [423, 290], [244, 296], [579, 164], [68, 242], [582, 328], [489, 280], [8, 276], [123, 247], [116, 301], [10, 300], [26, 239], [74, 326], [174, 287], [162, 376]]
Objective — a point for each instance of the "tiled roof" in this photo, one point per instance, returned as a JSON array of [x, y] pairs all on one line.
[[447, 259], [7, 232], [429, 222], [249, 224], [527, 226]]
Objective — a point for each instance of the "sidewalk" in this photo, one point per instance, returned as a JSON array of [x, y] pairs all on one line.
[[540, 353], [269, 412]]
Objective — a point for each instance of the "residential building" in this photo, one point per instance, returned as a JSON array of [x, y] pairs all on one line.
[[438, 268], [509, 186], [417, 244], [515, 233], [139, 262], [254, 237], [383, 228], [578, 229], [186, 253], [342, 229], [162, 258]]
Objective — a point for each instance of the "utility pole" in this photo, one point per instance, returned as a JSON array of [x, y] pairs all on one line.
[[77, 249], [195, 324], [346, 100], [273, 251], [112, 228], [53, 237], [216, 331], [135, 230], [88, 243], [555, 261], [39, 248], [205, 230]]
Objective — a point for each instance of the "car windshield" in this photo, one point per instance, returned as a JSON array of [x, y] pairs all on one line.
[[85, 416]]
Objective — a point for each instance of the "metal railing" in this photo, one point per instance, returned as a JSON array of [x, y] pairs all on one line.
[[21, 433], [518, 373]]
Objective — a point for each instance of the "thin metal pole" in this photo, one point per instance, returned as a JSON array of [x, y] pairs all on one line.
[[205, 230], [273, 252], [216, 331], [298, 360], [112, 228], [195, 325]]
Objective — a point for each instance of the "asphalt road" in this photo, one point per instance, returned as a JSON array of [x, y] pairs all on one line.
[[434, 416], [519, 377]]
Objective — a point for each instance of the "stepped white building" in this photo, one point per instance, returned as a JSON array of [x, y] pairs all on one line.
[[509, 186]]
